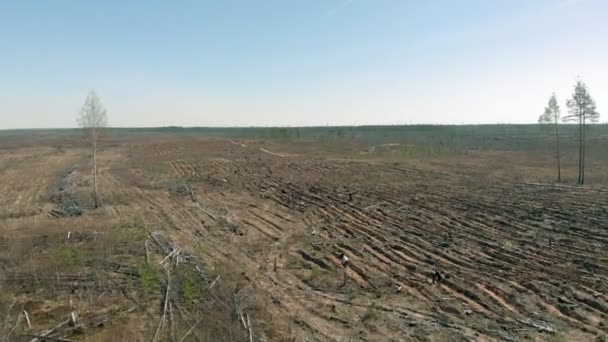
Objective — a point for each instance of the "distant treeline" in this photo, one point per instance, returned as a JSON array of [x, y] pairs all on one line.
[[458, 137], [498, 136]]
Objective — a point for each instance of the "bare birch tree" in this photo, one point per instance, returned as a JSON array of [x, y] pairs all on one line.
[[582, 109], [552, 115], [93, 119]]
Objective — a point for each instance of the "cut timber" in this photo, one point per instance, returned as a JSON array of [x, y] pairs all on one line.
[[541, 328], [206, 212], [162, 318], [249, 329], [27, 319], [272, 153], [189, 331], [213, 284], [47, 338], [147, 252], [46, 333]]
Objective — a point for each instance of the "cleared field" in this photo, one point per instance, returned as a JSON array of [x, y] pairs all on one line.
[[260, 227]]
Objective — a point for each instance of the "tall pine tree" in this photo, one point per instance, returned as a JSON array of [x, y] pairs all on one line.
[[582, 109], [552, 115]]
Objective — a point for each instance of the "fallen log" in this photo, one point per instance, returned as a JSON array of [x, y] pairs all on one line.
[[48, 332], [541, 328], [47, 338], [189, 331]]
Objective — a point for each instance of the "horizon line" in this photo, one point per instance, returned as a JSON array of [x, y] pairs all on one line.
[[303, 126]]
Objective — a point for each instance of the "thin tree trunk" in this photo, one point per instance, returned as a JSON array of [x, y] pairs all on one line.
[[584, 148], [95, 197], [559, 168], [580, 148]]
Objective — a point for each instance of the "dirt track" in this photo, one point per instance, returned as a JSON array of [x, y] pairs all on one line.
[[518, 260]]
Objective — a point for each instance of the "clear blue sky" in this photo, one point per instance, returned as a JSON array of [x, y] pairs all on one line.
[[300, 62]]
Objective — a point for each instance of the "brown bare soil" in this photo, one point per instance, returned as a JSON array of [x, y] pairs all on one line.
[[197, 237]]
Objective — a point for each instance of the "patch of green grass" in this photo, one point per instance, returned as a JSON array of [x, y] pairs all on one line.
[[563, 338], [424, 150], [139, 233], [370, 313], [351, 294], [216, 268], [71, 256], [149, 278], [190, 284], [314, 273], [379, 292], [133, 229]]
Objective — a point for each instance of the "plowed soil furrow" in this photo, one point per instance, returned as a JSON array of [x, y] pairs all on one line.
[[335, 247]]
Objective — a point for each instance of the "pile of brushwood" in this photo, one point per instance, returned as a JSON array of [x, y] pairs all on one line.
[[66, 201]]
